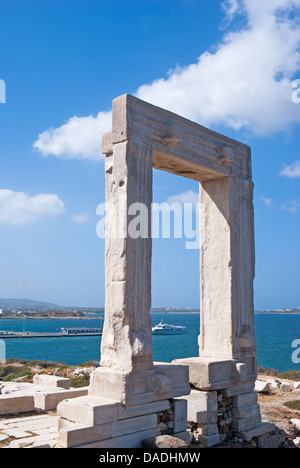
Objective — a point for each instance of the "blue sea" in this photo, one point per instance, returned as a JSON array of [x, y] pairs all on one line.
[[274, 336]]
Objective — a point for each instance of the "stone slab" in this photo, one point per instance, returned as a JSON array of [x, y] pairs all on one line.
[[209, 441], [48, 422], [180, 415], [296, 422], [257, 431], [252, 420], [238, 390], [244, 399], [208, 429], [89, 410], [18, 433], [72, 434], [48, 400], [52, 381], [261, 386], [12, 422], [34, 442], [245, 411], [215, 374], [202, 407], [138, 424], [10, 404], [127, 441], [286, 386], [125, 412]]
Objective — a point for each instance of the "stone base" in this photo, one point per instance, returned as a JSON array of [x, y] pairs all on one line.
[[124, 409], [94, 422], [213, 415], [163, 381]]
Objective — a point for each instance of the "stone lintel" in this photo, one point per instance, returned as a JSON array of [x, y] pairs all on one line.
[[198, 152]]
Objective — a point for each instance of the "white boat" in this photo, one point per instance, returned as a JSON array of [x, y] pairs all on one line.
[[166, 329]]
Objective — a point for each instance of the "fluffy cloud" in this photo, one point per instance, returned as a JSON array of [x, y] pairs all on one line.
[[18, 208], [244, 83], [79, 138], [291, 171]]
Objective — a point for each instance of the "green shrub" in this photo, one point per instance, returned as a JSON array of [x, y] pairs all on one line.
[[9, 373], [81, 381]]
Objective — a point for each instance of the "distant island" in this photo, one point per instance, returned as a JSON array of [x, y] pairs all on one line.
[[28, 308]]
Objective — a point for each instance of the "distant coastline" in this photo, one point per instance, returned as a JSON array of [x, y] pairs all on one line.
[[279, 312], [29, 309]]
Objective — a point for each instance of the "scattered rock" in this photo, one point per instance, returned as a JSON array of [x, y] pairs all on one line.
[[296, 423], [286, 386], [276, 439], [21, 379], [80, 371], [261, 387]]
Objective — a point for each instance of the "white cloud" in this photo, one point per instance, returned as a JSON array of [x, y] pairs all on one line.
[[244, 83], [231, 7], [291, 171], [266, 201], [293, 206], [18, 208], [247, 81], [79, 138], [81, 218]]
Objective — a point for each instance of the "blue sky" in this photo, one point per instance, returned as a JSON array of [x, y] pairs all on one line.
[[226, 65]]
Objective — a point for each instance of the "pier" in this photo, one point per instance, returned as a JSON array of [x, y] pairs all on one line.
[[64, 333]]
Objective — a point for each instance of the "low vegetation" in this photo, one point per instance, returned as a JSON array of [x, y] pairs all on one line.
[[9, 373], [20, 368], [289, 375]]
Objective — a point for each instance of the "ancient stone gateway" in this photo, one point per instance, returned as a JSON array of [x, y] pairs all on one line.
[[129, 391]]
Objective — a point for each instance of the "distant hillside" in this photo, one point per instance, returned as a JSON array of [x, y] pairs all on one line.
[[26, 304]]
